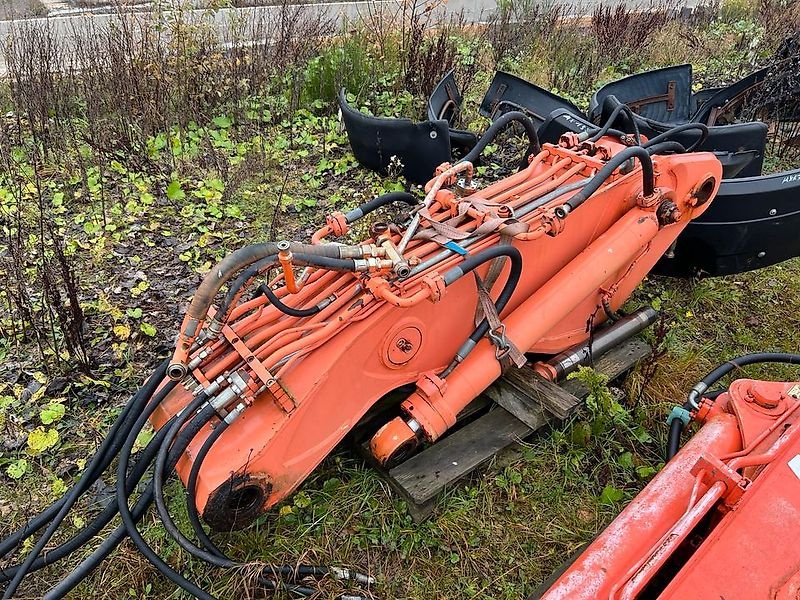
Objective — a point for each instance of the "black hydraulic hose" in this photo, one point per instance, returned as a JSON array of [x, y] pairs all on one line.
[[88, 532], [160, 476], [736, 363], [495, 128], [648, 178], [701, 388], [664, 147], [241, 283], [619, 107], [670, 133], [256, 269], [191, 488], [472, 263], [288, 310], [376, 203], [674, 439], [113, 540], [125, 512], [606, 128], [99, 462], [140, 398], [228, 267]]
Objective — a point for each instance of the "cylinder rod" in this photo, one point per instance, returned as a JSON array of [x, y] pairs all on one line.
[[561, 365]]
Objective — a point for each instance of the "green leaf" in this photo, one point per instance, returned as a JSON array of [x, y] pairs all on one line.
[[626, 460], [646, 471], [611, 495], [58, 487], [302, 500], [148, 329], [52, 413], [144, 437], [134, 313], [17, 469], [40, 440], [222, 122], [174, 191]]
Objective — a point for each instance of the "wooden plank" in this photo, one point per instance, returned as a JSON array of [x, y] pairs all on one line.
[[555, 399], [424, 475], [518, 403]]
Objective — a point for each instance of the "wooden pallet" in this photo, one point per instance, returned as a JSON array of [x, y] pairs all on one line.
[[520, 403]]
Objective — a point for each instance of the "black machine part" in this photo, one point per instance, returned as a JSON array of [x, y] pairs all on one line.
[[508, 93], [752, 223], [420, 147], [735, 160], [445, 103], [665, 96]]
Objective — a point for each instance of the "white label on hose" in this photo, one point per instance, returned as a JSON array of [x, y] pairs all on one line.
[[794, 465]]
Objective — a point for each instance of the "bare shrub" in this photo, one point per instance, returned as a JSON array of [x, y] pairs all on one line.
[[516, 27], [779, 18], [622, 32], [429, 48]]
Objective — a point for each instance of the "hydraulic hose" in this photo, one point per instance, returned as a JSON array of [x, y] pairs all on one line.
[[664, 147], [648, 178], [676, 424], [191, 488], [534, 147], [141, 397], [288, 310], [99, 462], [736, 363], [108, 545], [618, 108], [87, 533], [376, 203], [674, 439], [470, 264], [262, 266], [670, 133], [160, 477], [124, 509], [228, 267]]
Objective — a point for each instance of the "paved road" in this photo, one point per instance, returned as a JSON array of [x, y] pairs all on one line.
[[21, 9], [68, 27]]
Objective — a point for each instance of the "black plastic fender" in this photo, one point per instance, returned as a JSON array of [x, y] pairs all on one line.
[[420, 147], [753, 222], [445, 103], [661, 94], [508, 92]]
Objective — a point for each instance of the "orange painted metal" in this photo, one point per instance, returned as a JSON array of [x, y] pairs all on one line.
[[719, 521], [316, 376]]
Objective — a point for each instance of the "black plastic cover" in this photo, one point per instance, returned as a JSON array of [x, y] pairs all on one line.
[[445, 100], [752, 223], [712, 110], [420, 147], [445, 103], [661, 94], [508, 92]]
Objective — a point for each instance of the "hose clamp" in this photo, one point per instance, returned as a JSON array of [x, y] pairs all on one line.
[[680, 413]]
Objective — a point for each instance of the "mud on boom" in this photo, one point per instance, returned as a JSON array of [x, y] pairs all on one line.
[[264, 383]]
